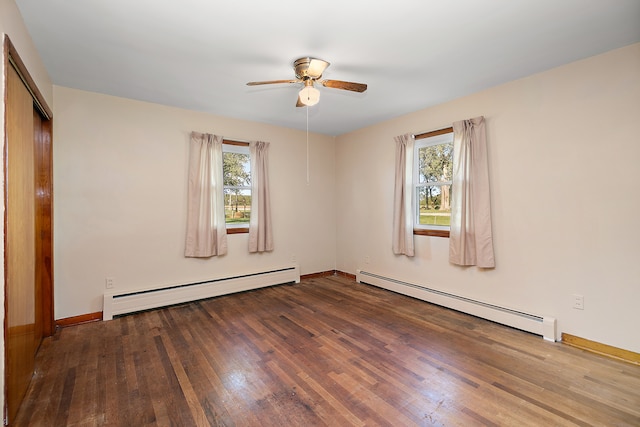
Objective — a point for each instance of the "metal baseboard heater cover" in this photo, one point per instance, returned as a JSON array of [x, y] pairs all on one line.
[[130, 301], [539, 325]]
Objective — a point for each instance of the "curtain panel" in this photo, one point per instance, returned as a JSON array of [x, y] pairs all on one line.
[[402, 243], [206, 229], [260, 234], [470, 238]]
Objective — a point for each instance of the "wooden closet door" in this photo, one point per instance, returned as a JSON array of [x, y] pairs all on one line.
[[23, 334]]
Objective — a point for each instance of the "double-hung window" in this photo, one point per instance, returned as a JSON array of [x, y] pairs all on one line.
[[433, 169], [236, 169]]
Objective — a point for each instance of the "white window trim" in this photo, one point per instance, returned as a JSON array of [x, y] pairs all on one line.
[[238, 149], [421, 143]]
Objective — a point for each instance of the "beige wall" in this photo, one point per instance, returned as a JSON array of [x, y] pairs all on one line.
[[11, 24], [563, 154], [120, 198]]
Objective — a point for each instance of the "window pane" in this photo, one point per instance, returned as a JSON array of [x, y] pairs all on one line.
[[236, 169], [435, 163], [434, 205], [237, 200], [237, 206]]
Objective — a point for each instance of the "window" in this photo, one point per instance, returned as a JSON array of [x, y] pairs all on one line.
[[433, 169], [236, 169]]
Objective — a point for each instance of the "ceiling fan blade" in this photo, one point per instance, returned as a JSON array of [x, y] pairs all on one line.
[[271, 82], [316, 68], [339, 84]]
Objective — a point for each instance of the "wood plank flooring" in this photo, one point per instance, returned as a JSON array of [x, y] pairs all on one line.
[[325, 352]]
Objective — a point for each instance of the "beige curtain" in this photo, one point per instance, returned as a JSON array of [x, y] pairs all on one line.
[[470, 240], [206, 229], [403, 195], [260, 235]]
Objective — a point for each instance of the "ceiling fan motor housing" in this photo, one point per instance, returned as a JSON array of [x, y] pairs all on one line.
[[309, 68]]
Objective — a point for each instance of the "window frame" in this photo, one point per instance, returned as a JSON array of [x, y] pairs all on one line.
[[239, 147], [436, 137]]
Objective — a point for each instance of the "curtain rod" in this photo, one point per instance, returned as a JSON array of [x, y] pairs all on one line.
[[431, 133], [225, 140]]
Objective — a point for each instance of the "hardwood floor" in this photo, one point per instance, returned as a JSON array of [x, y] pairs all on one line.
[[327, 351]]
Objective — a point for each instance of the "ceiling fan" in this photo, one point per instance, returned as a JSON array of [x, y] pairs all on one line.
[[309, 71]]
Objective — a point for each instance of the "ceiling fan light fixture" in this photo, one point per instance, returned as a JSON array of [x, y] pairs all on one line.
[[309, 95]]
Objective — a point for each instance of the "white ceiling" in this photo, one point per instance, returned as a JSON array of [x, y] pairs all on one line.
[[198, 54]]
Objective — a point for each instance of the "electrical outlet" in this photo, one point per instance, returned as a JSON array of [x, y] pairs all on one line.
[[109, 282], [293, 258], [367, 259], [578, 302]]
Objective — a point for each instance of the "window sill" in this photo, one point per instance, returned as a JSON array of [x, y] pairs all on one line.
[[237, 230], [432, 233]]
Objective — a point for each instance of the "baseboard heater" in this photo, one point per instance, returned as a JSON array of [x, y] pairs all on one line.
[[144, 299], [539, 325]]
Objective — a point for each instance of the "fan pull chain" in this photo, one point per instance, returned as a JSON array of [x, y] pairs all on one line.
[[307, 145]]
